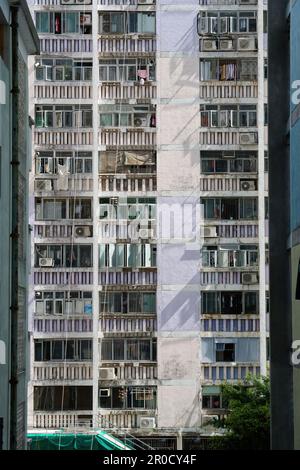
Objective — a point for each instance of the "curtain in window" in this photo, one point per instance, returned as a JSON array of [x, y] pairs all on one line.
[[42, 22], [71, 22]]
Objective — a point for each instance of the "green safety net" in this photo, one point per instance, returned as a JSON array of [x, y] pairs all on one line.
[[65, 441]]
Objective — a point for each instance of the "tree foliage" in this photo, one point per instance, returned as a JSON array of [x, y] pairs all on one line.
[[247, 423]]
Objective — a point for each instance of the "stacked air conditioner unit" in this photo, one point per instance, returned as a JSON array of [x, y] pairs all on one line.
[[209, 45], [249, 278], [246, 44], [248, 185], [210, 232], [46, 262], [145, 233], [226, 45], [104, 392], [145, 422], [43, 185], [248, 138], [146, 2], [83, 231], [107, 373]]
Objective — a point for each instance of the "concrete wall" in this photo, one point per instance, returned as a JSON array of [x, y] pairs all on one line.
[[178, 188]]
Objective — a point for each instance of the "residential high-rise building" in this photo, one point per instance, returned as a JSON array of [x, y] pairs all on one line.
[[18, 39], [149, 193], [285, 221]]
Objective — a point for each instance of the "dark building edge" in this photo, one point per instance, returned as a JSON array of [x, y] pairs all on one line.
[[282, 420]]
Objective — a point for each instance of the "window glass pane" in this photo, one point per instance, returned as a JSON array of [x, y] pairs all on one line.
[[149, 303], [57, 350], [42, 22], [85, 349], [71, 22], [145, 350], [106, 350], [132, 350], [118, 349]]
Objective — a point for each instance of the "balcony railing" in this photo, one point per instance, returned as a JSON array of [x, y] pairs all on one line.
[[217, 373], [62, 419], [128, 278], [74, 183], [233, 230], [109, 324], [119, 44], [126, 138], [127, 183], [63, 92], [232, 278], [228, 183], [227, 90], [230, 323], [134, 91], [62, 277], [55, 325], [54, 230], [61, 371], [229, 137], [51, 45], [63, 137], [122, 419], [124, 372]]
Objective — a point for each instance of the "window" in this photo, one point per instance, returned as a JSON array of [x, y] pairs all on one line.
[[127, 116], [127, 69], [228, 69], [128, 398], [60, 350], [228, 162], [68, 256], [75, 162], [127, 302], [63, 116], [129, 255], [225, 352], [58, 398], [63, 70], [130, 349], [63, 22], [230, 303], [129, 22], [230, 209], [228, 116], [60, 209], [225, 22], [223, 256]]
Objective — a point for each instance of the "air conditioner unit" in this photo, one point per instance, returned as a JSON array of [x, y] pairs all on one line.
[[248, 138], [67, 2], [107, 373], [249, 278], [113, 201], [209, 45], [145, 233], [210, 232], [145, 422], [85, 19], [246, 44], [226, 45], [46, 262], [146, 2], [104, 392], [248, 185], [43, 185], [248, 2], [140, 122], [84, 2], [83, 231]]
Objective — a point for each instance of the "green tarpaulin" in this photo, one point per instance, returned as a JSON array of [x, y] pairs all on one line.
[[65, 441]]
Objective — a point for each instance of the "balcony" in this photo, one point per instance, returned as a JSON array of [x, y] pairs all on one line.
[[128, 91], [66, 137], [55, 45], [228, 90], [62, 371], [62, 419], [126, 138], [142, 278], [229, 323], [226, 278], [246, 183], [228, 229], [137, 46], [127, 183], [62, 276], [216, 374], [56, 230], [123, 324], [137, 371], [57, 91], [62, 325], [72, 183], [122, 419]]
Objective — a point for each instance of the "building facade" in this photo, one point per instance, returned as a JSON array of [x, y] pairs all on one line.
[[149, 267], [18, 39]]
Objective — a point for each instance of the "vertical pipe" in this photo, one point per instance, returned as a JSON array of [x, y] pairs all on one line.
[[14, 230]]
